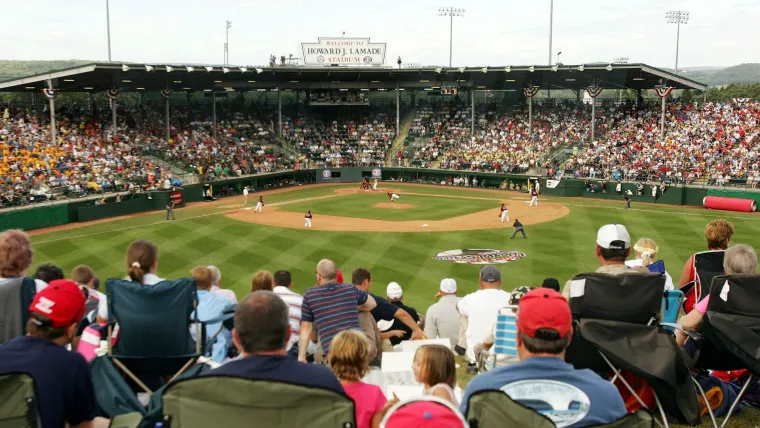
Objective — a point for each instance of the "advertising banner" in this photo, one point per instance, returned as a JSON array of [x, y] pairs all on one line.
[[343, 51]]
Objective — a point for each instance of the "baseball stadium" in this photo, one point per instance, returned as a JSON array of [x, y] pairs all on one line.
[[582, 259]]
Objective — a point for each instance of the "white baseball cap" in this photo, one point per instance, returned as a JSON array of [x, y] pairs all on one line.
[[448, 286], [384, 325], [613, 237], [394, 291]]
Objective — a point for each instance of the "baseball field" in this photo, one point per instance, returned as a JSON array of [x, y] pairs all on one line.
[[397, 242]]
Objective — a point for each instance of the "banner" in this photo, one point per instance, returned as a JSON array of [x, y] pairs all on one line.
[[530, 92], [377, 172], [166, 93], [49, 93], [176, 197], [552, 184], [112, 94], [664, 91], [343, 51], [593, 91]]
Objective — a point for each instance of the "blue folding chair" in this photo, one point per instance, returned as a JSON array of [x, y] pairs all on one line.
[[671, 307], [505, 340]]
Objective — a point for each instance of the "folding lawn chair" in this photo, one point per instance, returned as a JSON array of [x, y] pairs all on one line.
[[616, 319], [707, 265], [236, 402], [671, 307], [16, 294], [505, 341], [18, 402]]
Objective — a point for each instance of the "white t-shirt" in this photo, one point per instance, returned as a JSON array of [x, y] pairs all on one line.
[[245, 192], [295, 303], [481, 308]]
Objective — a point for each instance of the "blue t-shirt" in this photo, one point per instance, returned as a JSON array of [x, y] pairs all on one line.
[[61, 379], [332, 308], [280, 368], [555, 389]]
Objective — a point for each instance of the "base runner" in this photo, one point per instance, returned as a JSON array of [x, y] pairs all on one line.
[[259, 205], [392, 196], [307, 219], [533, 197], [374, 186], [504, 213]]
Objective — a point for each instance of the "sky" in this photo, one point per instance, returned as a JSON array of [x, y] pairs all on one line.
[[491, 33]]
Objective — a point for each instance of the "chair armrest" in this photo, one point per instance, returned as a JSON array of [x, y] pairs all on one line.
[[692, 334]]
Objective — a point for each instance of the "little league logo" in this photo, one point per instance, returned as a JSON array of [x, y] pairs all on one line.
[[377, 172], [326, 173], [479, 256]]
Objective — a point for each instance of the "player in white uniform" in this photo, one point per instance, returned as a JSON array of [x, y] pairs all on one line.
[[307, 220], [393, 196], [245, 195], [504, 213], [374, 186], [533, 197], [259, 205]]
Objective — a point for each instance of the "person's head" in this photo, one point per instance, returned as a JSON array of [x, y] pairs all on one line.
[[142, 258], [718, 234], [394, 292], [362, 279], [15, 253], [490, 277], [613, 244], [48, 272], [282, 278], [551, 283], [434, 364], [646, 250], [544, 324], [56, 311], [309, 212], [216, 276], [350, 355], [261, 324], [83, 275], [448, 287], [262, 280], [327, 272], [202, 277], [740, 259]]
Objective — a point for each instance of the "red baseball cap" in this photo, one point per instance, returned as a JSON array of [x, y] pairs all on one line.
[[544, 308], [62, 301], [339, 277], [424, 414]]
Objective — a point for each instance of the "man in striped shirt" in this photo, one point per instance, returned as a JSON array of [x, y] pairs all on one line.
[[282, 284], [330, 307]]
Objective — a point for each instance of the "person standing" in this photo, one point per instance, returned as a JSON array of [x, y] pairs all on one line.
[[283, 284], [518, 228], [627, 200], [504, 213], [533, 197], [170, 210], [374, 185], [259, 205], [245, 195], [442, 319], [307, 220]]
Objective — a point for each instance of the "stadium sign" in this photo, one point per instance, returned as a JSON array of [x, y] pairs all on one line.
[[343, 51], [479, 256]]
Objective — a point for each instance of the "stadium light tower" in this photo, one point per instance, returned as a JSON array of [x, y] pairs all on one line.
[[677, 17], [451, 12], [551, 28], [108, 29], [227, 27]]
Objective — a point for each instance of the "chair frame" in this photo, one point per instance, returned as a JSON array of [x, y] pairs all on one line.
[[494, 357]]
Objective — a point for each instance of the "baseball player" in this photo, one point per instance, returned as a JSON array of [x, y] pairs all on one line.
[[504, 213], [518, 227], [533, 197], [374, 186], [307, 220], [245, 195], [170, 210], [627, 201], [259, 205], [392, 196]]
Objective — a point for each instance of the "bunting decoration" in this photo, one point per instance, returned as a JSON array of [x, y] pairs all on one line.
[[530, 92], [166, 93], [112, 94], [49, 93], [664, 91], [593, 91], [742, 101]]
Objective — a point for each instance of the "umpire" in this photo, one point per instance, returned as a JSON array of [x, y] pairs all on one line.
[[518, 227], [170, 210]]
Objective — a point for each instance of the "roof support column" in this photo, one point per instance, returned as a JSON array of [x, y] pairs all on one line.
[[593, 119], [213, 114], [398, 110], [662, 121], [113, 119], [166, 119], [34, 99], [530, 115], [472, 114], [52, 113], [90, 103], [279, 112]]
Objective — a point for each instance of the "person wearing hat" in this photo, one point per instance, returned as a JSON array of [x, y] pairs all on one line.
[[395, 294], [481, 309], [613, 246], [551, 283], [62, 379], [442, 318], [544, 331]]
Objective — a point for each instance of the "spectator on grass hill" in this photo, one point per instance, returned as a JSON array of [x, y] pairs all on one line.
[[349, 360], [613, 246], [48, 273], [211, 306], [646, 255], [395, 293], [481, 309], [282, 289], [442, 319], [434, 367], [62, 379], [216, 284], [261, 335], [330, 307], [262, 280], [718, 234], [544, 330]]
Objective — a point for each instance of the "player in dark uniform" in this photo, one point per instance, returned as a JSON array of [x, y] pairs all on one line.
[[518, 227], [170, 210], [307, 220], [627, 201]]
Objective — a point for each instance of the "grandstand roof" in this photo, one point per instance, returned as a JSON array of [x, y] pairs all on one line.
[[129, 77]]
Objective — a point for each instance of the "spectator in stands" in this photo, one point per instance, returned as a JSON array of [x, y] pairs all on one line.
[[48, 273], [210, 306], [646, 250], [442, 318], [434, 367], [362, 279], [481, 309], [262, 280], [551, 283], [63, 385], [216, 285], [613, 246], [738, 259], [330, 307], [349, 359], [282, 288], [395, 294], [718, 234], [544, 330], [261, 335]]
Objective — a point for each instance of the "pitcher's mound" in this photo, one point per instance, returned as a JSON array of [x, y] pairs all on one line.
[[394, 206]]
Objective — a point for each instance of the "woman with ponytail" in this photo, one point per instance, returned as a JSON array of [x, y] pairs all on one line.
[[142, 261], [646, 256]]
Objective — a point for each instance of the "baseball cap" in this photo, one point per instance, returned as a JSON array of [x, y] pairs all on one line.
[[430, 412], [61, 301], [551, 283], [490, 273], [613, 237], [544, 308], [339, 277], [448, 286], [384, 325], [394, 291]]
